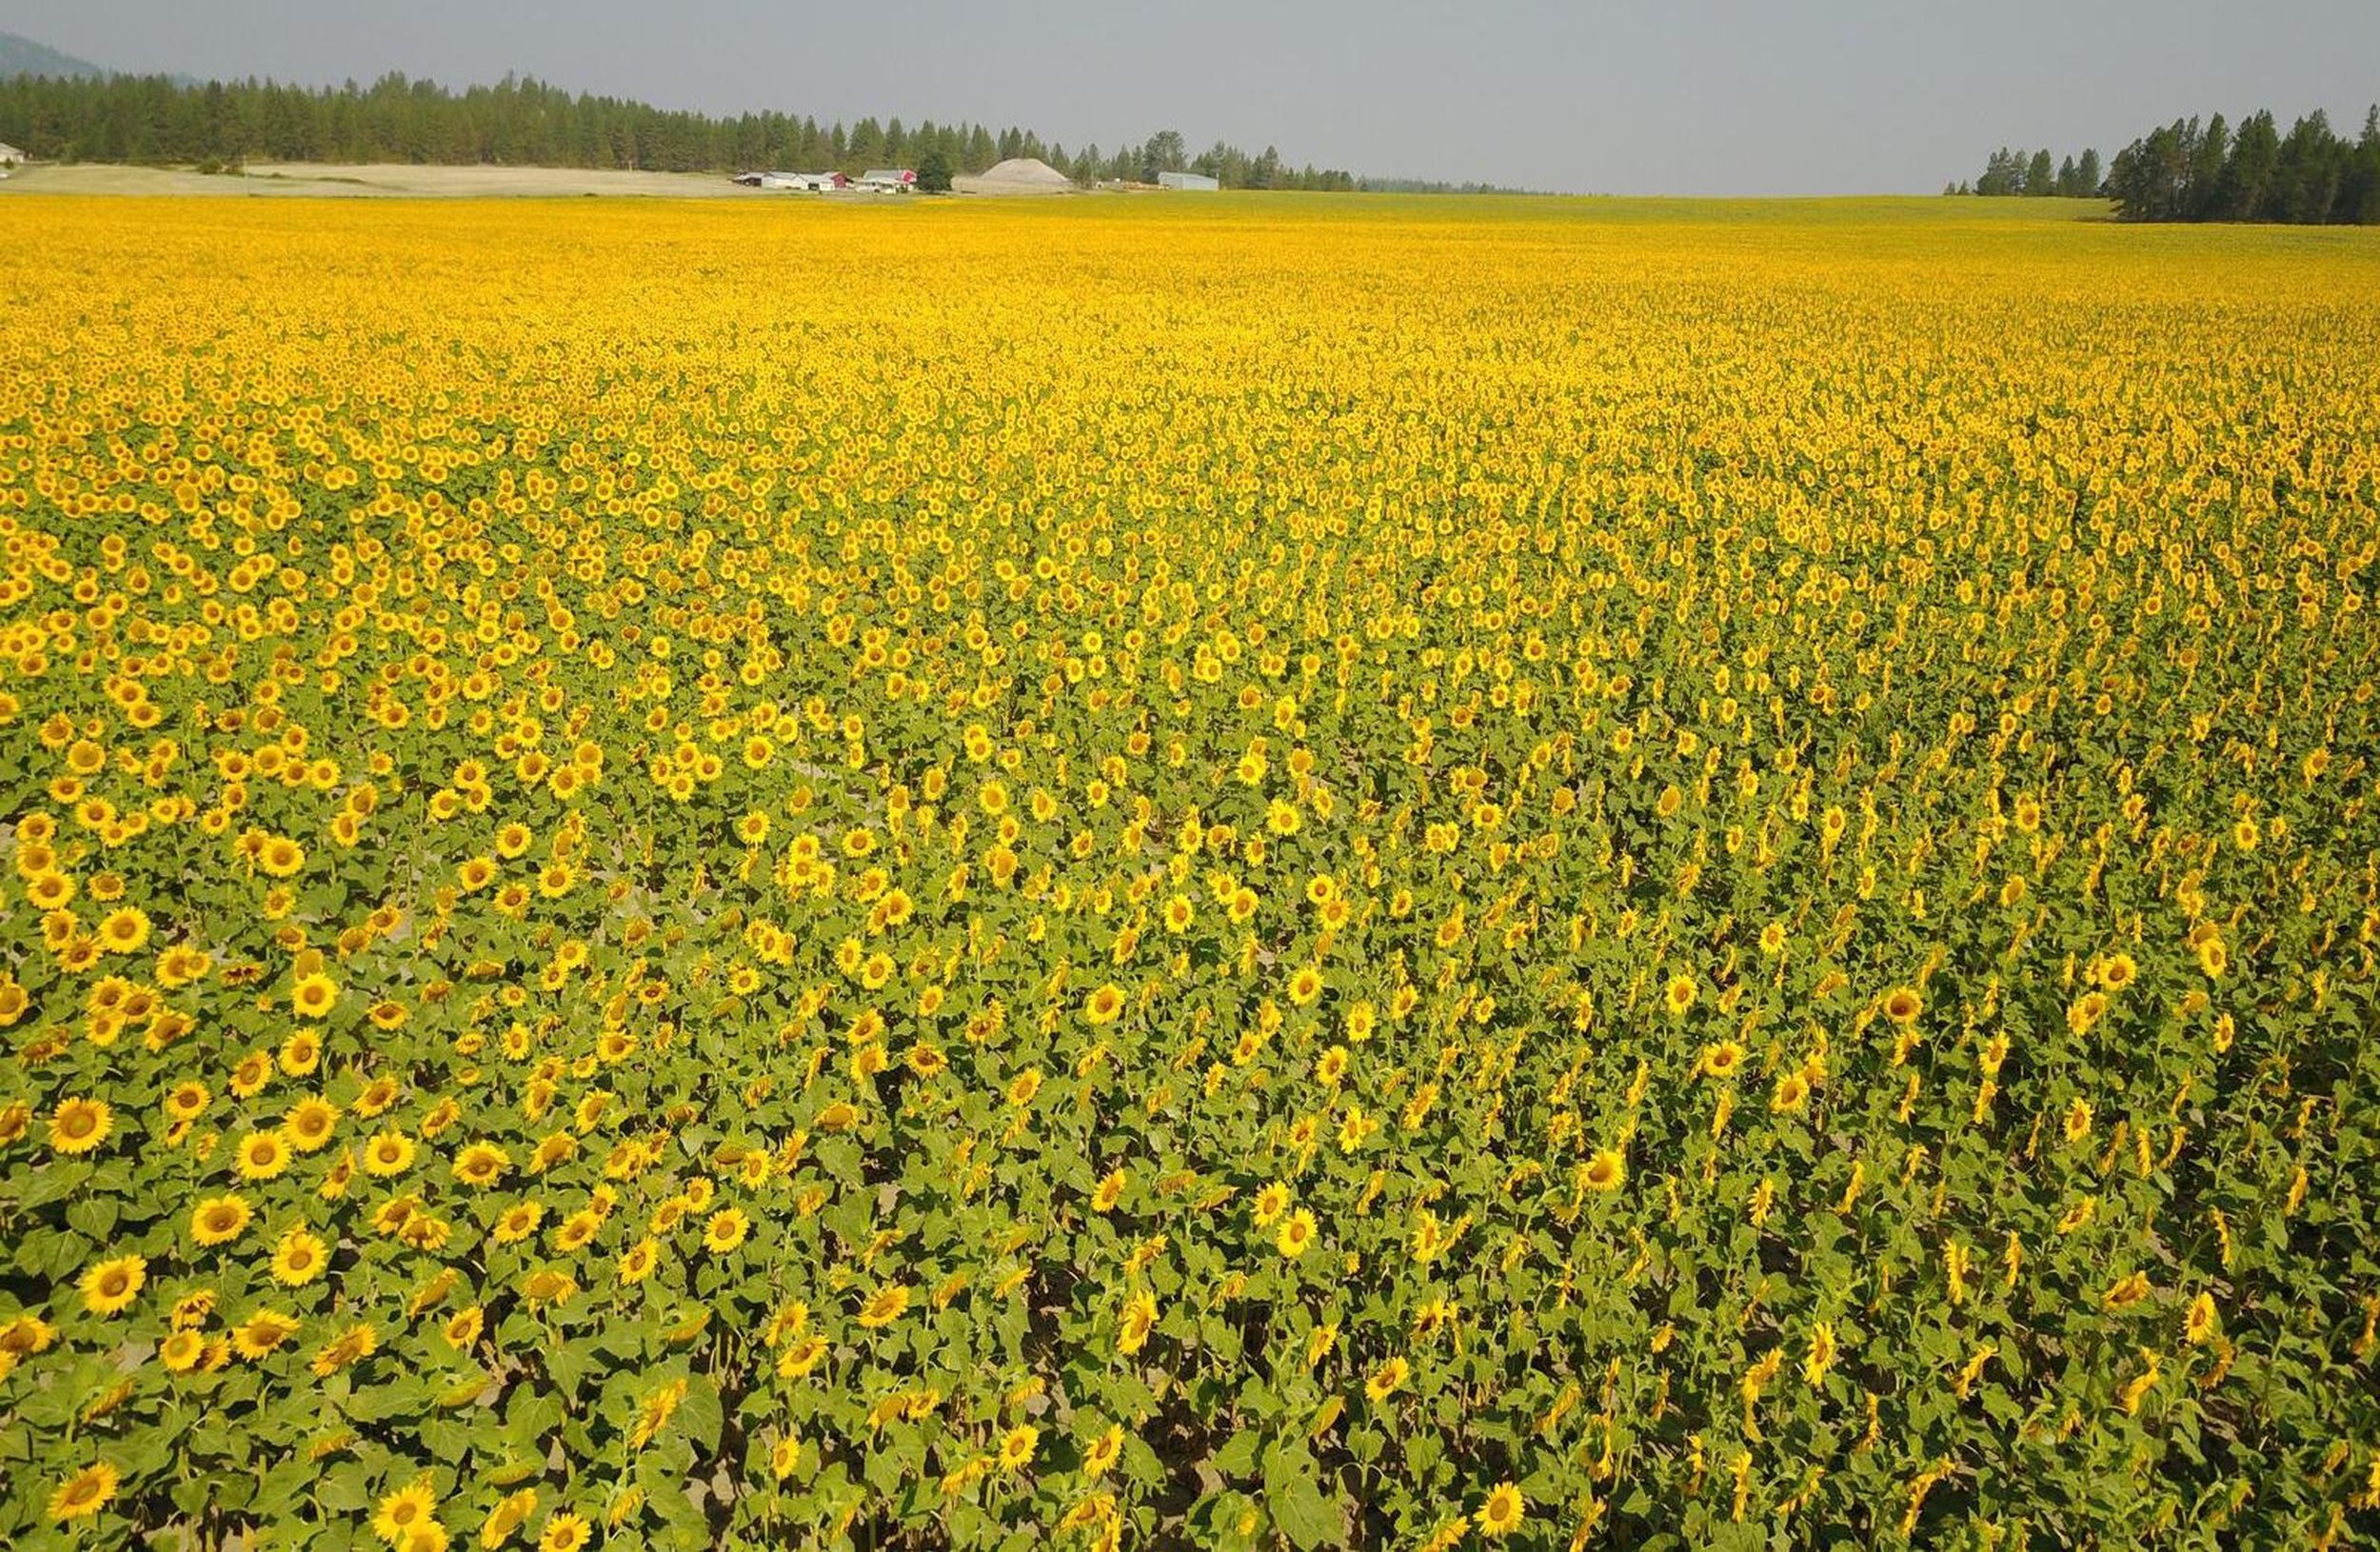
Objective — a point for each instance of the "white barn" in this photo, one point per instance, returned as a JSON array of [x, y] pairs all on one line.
[[805, 183]]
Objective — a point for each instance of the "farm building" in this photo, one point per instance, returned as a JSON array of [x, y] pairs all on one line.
[[882, 180], [809, 183], [1192, 182], [9, 155]]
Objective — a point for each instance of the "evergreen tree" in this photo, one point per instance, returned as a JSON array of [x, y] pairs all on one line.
[[2040, 176], [2359, 195], [2247, 189], [2309, 171], [1163, 153], [522, 121], [2205, 171]]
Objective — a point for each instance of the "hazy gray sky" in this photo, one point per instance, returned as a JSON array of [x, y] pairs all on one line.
[[1660, 96]]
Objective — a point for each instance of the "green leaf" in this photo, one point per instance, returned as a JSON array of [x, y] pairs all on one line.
[[1293, 1496], [700, 1415], [1237, 1457], [345, 1490], [94, 1214]]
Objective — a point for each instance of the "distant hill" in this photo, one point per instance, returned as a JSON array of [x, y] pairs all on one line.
[[22, 56]]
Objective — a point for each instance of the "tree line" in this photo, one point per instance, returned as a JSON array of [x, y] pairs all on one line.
[[2030, 174], [523, 121], [2193, 172], [2189, 171]]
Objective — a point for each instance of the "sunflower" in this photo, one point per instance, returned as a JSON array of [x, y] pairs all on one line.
[[2116, 972], [802, 1354], [1103, 1453], [262, 1156], [1103, 1004], [481, 1165], [1305, 986], [219, 1220], [299, 1257], [78, 1126], [518, 1222], [1297, 1234], [462, 1327], [262, 1332], [1501, 1514], [2125, 1291], [1109, 1191], [309, 1123], [2077, 1119], [1386, 1379], [300, 1053], [124, 931], [1679, 995], [725, 1230], [404, 1511], [1606, 1171], [563, 1532], [182, 1351], [110, 1287], [389, 1153], [2199, 1322], [885, 1307], [1138, 1320], [1017, 1446], [510, 1513], [1820, 1358], [314, 995], [1722, 1060], [85, 1493], [577, 1231]]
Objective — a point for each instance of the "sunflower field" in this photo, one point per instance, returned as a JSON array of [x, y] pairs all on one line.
[[1262, 873]]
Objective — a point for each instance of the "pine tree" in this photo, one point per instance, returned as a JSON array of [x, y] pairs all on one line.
[[2247, 185]]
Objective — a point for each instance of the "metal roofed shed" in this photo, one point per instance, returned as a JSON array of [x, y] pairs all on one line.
[[1188, 182]]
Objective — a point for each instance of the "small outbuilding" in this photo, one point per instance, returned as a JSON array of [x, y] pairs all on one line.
[[802, 183], [10, 155], [889, 180], [1198, 182]]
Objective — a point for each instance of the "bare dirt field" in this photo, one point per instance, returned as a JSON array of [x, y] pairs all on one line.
[[380, 181]]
